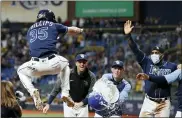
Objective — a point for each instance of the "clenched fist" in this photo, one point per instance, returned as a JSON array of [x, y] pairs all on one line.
[[142, 76]]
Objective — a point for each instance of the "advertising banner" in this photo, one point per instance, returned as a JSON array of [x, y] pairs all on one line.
[[26, 11], [104, 9]]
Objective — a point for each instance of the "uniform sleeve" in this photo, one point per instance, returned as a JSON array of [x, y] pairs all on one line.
[[167, 79], [93, 80], [140, 56], [27, 35], [158, 79], [176, 75], [61, 28], [124, 93], [55, 91]]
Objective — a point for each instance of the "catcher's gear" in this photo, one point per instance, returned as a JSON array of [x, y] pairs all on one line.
[[68, 101]]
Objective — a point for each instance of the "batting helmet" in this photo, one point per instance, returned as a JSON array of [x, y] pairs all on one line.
[[46, 14]]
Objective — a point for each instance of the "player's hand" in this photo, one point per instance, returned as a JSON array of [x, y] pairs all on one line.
[[179, 66], [127, 27], [142, 76], [78, 105], [46, 108], [77, 30]]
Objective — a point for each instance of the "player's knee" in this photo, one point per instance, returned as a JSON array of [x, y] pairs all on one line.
[[19, 70], [65, 66]]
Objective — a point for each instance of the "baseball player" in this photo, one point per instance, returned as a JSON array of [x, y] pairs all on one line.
[[174, 76], [81, 83], [110, 92], [42, 39], [154, 65]]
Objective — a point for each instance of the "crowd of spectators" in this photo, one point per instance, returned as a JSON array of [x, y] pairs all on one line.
[[14, 50]]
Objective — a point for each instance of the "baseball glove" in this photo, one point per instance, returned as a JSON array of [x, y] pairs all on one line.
[[68, 101]]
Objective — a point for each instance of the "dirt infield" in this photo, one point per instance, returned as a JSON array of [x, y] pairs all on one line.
[[36, 113]]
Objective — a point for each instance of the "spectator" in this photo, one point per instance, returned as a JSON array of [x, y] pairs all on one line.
[[9, 105]]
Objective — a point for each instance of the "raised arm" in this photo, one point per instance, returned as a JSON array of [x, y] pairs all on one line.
[[132, 44]]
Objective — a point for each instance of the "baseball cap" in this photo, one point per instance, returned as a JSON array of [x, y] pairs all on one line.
[[161, 50], [81, 57], [118, 63]]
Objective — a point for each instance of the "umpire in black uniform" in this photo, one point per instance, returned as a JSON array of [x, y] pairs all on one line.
[[81, 83]]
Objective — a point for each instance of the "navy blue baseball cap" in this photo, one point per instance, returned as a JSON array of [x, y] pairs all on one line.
[[118, 63], [81, 57], [160, 49]]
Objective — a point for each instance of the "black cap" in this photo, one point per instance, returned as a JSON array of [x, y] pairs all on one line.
[[161, 50], [118, 63], [81, 57]]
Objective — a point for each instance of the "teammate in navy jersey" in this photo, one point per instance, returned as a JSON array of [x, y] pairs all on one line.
[[42, 39], [167, 79], [116, 88], [157, 96]]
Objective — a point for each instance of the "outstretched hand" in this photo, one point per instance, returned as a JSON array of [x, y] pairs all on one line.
[[127, 27]]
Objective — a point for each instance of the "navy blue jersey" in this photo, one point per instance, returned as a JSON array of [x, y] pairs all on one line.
[[153, 89], [42, 37], [179, 96]]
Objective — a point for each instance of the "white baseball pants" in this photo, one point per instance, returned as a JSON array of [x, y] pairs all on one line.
[[70, 112], [178, 114], [45, 66], [154, 109]]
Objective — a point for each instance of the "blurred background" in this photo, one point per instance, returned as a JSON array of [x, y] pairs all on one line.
[[156, 23]]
